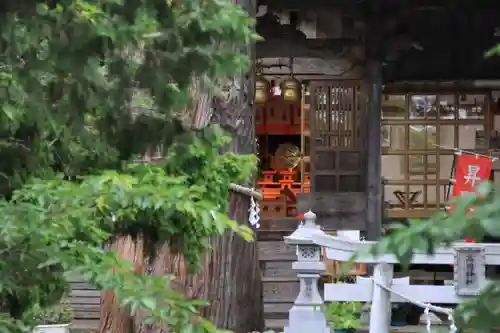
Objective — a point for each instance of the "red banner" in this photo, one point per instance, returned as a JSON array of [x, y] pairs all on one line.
[[470, 170]]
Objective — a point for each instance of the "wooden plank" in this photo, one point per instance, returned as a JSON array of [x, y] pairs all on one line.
[[304, 66], [85, 324], [87, 314], [280, 279], [263, 235], [280, 292], [278, 268], [335, 211], [276, 250], [341, 221], [81, 286], [279, 224], [84, 300], [277, 308], [276, 324], [85, 293], [86, 307], [330, 204]]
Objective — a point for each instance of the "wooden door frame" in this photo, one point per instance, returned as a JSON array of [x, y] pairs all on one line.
[[347, 83]]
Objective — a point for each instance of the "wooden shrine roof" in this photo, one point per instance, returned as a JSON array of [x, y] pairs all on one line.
[[417, 39]]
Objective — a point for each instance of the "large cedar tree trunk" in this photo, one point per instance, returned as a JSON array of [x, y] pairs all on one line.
[[235, 289], [230, 276], [113, 318]]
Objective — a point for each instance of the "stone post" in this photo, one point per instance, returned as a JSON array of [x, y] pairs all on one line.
[[306, 315], [380, 315]]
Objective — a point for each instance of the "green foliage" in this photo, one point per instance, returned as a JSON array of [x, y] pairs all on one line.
[[495, 50], [57, 226], [481, 313], [343, 314], [58, 314], [86, 87]]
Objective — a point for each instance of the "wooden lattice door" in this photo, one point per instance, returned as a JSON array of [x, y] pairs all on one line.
[[336, 144]]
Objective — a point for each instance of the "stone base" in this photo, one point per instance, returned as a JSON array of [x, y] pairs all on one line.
[[307, 319]]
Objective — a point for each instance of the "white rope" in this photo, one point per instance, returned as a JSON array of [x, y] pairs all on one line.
[[453, 327], [427, 316], [459, 151], [254, 213], [432, 308], [426, 306]]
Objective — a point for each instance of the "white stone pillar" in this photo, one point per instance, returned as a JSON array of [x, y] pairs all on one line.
[[380, 316], [306, 315]]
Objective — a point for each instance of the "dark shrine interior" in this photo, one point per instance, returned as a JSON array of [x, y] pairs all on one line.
[[414, 39]]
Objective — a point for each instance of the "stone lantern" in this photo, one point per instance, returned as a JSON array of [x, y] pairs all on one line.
[[306, 315]]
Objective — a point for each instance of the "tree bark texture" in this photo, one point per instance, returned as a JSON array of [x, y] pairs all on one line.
[[235, 290], [193, 286], [230, 275], [113, 318]]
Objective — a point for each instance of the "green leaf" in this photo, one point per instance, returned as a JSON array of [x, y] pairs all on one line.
[[149, 303], [149, 320], [10, 111]]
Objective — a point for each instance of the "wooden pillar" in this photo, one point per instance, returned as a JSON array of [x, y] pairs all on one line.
[[374, 209], [373, 76]]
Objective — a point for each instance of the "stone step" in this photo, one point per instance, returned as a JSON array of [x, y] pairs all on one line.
[[276, 250], [276, 324], [277, 268], [289, 278], [277, 310], [280, 290]]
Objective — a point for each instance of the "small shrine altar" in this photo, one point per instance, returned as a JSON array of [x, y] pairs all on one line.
[[282, 129]]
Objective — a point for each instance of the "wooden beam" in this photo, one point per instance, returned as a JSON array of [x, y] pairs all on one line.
[[303, 5], [331, 48], [347, 220], [310, 68]]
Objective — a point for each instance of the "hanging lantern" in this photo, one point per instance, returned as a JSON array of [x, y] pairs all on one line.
[[262, 87], [291, 89]]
